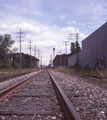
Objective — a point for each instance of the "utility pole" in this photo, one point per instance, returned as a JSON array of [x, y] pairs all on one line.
[[35, 50], [75, 36], [60, 57], [35, 53], [66, 50], [20, 43], [53, 58], [38, 54], [30, 47], [41, 58]]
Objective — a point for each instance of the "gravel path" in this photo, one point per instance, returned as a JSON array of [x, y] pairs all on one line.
[[10, 82], [89, 100]]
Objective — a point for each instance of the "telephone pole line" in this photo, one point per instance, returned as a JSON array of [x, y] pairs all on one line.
[[30, 47], [60, 56], [66, 50], [41, 58], [38, 55], [75, 36], [20, 43], [35, 50]]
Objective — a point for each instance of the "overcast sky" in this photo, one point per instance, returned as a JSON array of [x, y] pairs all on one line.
[[47, 23]]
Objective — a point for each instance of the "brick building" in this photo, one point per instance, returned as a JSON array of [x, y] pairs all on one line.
[[61, 60]]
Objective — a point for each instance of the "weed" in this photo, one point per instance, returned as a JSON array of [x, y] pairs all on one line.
[[93, 75]]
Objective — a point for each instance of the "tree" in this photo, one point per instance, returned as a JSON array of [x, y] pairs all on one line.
[[5, 45], [74, 46], [5, 48]]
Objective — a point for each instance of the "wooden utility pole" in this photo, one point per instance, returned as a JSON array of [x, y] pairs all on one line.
[[66, 50], [30, 47], [20, 44], [75, 36], [35, 50], [38, 54], [53, 58], [35, 53], [60, 57], [41, 58]]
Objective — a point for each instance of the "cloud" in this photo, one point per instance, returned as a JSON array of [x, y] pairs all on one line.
[[94, 10], [27, 28], [41, 21], [69, 29], [62, 17], [71, 22], [82, 36]]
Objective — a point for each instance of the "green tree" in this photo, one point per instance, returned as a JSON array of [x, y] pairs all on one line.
[[5, 45], [73, 47], [5, 48]]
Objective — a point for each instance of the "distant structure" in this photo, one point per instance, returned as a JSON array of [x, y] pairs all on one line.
[[94, 50], [61, 60], [25, 59]]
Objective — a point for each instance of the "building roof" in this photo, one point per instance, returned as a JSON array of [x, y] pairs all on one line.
[[25, 55]]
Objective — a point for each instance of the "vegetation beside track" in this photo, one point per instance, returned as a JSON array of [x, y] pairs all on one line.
[[97, 76], [12, 72]]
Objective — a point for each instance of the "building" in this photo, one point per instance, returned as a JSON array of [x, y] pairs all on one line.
[[26, 60], [61, 60], [94, 50]]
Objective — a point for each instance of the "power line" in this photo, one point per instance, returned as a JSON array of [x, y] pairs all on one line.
[[60, 56], [35, 50], [20, 44], [41, 58], [38, 54], [66, 46], [66, 50], [75, 36], [30, 47]]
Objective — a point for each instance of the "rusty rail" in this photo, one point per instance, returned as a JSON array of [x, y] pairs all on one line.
[[6, 92], [71, 113]]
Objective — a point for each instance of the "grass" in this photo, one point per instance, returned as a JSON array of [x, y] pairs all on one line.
[[99, 76], [11, 72]]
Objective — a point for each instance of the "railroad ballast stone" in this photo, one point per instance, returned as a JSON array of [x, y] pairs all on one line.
[[11, 82], [89, 100], [35, 101]]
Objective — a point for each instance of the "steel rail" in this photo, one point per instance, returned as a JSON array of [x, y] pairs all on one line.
[[71, 113], [6, 92]]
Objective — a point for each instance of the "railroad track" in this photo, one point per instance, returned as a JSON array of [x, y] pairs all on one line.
[[39, 99], [89, 100]]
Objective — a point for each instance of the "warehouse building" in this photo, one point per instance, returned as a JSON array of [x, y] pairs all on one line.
[[94, 50]]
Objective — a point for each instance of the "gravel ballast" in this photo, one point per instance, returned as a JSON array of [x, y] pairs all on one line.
[[10, 82], [89, 99], [37, 100]]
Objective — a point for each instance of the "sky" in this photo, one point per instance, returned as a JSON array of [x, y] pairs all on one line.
[[48, 23]]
